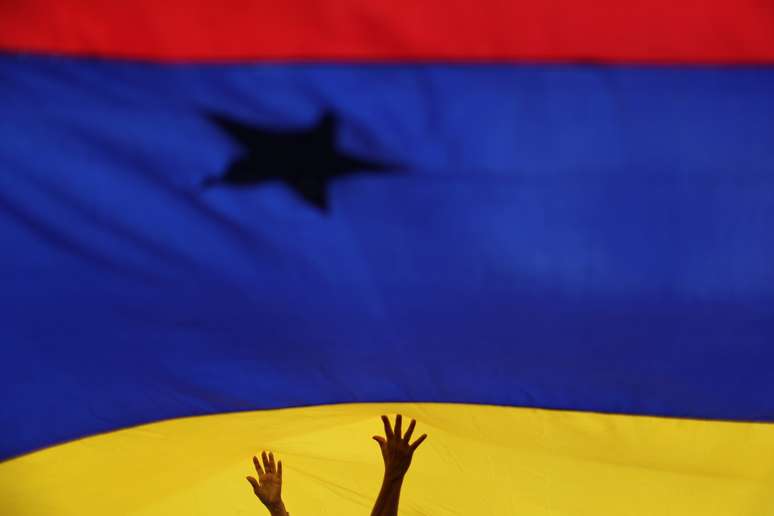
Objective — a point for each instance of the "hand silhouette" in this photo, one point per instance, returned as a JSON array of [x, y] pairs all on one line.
[[268, 486], [396, 450]]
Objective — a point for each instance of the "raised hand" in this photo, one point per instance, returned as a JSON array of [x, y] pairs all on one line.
[[396, 448], [268, 486]]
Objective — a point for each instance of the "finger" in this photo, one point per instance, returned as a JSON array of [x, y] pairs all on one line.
[[257, 465], [254, 483], [387, 429], [410, 430], [381, 441], [266, 464], [279, 470], [398, 421], [418, 442], [272, 463]]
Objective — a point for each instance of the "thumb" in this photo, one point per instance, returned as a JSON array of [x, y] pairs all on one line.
[[253, 482], [380, 440]]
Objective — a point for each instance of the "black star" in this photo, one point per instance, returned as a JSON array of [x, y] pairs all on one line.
[[305, 160]]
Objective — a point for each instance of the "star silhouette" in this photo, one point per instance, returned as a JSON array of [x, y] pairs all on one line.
[[306, 161]]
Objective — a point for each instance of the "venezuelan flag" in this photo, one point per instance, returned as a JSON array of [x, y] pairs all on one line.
[[545, 230]]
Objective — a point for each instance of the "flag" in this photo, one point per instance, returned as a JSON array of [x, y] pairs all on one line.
[[543, 231]]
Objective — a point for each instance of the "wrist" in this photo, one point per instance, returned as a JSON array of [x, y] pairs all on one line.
[[277, 509], [394, 477]]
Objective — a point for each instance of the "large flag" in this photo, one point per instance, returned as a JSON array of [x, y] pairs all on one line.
[[543, 229]]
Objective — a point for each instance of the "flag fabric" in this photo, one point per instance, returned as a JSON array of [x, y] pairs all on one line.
[[544, 231]]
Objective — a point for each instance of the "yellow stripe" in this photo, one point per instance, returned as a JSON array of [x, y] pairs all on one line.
[[477, 460]]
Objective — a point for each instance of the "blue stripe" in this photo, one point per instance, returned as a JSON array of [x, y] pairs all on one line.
[[591, 238]]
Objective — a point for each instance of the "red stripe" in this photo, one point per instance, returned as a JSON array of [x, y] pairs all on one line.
[[657, 31]]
